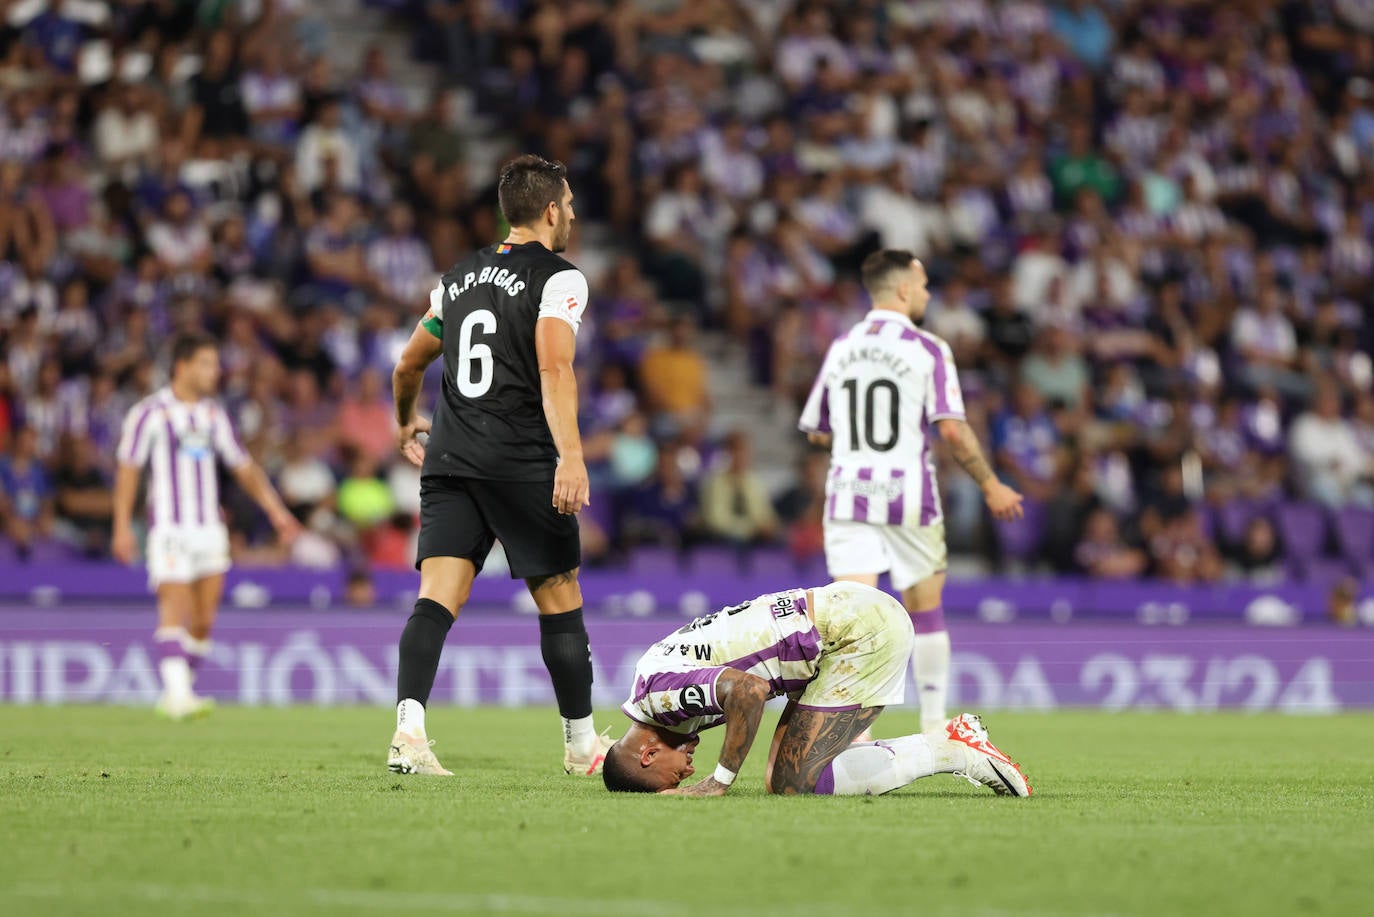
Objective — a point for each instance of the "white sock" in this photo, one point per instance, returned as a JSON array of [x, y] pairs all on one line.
[[889, 764], [930, 665], [176, 678], [410, 718], [579, 735]]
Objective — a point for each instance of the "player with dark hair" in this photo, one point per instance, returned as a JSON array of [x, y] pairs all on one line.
[[883, 386], [504, 456], [178, 432], [839, 653]]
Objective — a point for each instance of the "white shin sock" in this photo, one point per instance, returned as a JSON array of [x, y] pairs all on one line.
[[930, 665], [579, 734], [410, 718], [886, 765]]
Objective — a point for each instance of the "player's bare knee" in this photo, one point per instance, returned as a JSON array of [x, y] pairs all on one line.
[[448, 581]]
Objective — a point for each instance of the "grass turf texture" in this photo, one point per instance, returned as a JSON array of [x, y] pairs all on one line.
[[108, 811]]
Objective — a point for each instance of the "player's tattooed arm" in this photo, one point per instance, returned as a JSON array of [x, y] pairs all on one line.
[[964, 446], [742, 697], [1003, 502]]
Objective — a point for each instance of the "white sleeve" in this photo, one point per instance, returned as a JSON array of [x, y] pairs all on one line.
[[565, 298], [944, 399], [815, 416], [436, 302], [136, 437]]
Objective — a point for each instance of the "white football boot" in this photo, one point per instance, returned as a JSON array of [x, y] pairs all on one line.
[[411, 755], [985, 763], [588, 765], [190, 707]]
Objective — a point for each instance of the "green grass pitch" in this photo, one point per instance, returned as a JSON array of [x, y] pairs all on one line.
[[108, 811]]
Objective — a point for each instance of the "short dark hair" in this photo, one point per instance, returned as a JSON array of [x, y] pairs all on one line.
[[881, 265], [528, 184], [619, 774], [190, 343]]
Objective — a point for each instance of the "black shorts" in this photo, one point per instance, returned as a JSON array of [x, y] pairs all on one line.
[[463, 517]]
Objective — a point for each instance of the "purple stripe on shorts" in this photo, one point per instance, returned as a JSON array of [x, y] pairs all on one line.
[[896, 508], [172, 447], [861, 500], [941, 400]]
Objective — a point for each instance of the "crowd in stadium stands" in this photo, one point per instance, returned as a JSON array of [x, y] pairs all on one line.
[[1148, 228]]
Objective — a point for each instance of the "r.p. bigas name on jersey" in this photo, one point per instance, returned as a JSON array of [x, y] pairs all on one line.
[[771, 637], [489, 423], [882, 385]]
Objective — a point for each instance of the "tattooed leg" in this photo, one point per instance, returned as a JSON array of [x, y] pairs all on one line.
[[777, 742], [811, 740]]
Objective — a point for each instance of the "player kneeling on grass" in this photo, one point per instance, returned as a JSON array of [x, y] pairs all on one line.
[[839, 653]]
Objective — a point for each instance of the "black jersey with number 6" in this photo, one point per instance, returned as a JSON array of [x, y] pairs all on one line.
[[489, 423]]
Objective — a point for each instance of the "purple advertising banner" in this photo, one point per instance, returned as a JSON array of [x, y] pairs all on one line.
[[289, 657], [657, 584]]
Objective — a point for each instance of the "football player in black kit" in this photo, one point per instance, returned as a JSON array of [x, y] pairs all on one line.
[[504, 456]]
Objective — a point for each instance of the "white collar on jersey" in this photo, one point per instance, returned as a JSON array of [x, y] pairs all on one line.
[[887, 315]]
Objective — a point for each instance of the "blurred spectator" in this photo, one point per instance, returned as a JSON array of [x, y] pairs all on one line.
[[83, 500], [1259, 553], [674, 376], [26, 493], [663, 509], [1329, 460], [1102, 554], [735, 505], [367, 420]]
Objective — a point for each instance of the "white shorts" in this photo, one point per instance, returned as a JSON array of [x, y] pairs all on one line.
[[910, 555], [866, 642], [184, 554]]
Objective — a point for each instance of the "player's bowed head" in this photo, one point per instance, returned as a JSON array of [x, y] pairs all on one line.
[[648, 759]]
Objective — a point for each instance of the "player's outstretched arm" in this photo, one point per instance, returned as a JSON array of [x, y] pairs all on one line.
[[742, 697], [555, 344], [420, 351], [1003, 502]]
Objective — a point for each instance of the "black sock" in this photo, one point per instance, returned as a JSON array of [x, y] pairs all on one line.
[[421, 643], [568, 657]]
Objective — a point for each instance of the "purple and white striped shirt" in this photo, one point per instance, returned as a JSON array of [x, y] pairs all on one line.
[[880, 388], [771, 637], [180, 442]]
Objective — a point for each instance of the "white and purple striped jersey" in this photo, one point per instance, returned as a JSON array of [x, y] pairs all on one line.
[[771, 637], [179, 442], [882, 385]]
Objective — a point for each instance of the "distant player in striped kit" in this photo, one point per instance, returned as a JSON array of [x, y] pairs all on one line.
[[882, 386], [178, 432]]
